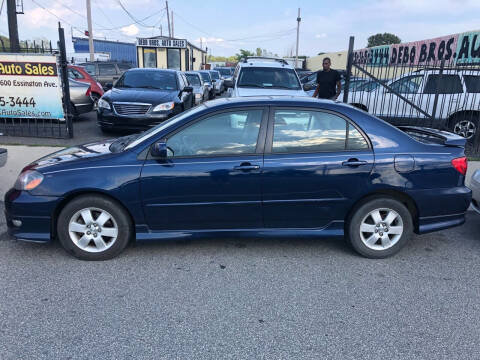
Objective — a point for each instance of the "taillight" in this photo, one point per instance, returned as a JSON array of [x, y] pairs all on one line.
[[89, 91], [461, 165]]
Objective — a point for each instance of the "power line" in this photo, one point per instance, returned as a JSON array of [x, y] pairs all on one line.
[[136, 21]]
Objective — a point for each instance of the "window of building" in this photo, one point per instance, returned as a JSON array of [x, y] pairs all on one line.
[[149, 58], [173, 59]]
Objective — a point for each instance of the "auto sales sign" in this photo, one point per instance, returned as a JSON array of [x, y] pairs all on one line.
[[30, 87], [460, 49]]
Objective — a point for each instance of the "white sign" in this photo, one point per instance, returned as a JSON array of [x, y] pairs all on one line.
[[162, 43], [30, 87]]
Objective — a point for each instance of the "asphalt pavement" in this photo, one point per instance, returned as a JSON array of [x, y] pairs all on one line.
[[244, 299]]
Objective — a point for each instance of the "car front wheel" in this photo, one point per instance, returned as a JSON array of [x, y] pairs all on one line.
[[93, 227], [380, 227]]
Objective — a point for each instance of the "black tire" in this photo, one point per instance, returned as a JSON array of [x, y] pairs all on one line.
[[465, 125], [362, 211], [119, 215], [95, 97]]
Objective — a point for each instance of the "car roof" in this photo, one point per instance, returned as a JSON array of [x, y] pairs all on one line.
[[192, 73], [265, 64], [278, 100], [152, 69]]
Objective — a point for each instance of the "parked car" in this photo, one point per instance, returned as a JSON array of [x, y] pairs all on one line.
[[218, 83], [78, 73], [264, 166], [264, 76], [3, 156], [475, 186], [458, 106], [142, 98], [106, 72], [225, 73], [209, 82], [81, 101], [200, 89]]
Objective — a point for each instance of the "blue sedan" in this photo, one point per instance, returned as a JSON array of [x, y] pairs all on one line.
[[265, 166]]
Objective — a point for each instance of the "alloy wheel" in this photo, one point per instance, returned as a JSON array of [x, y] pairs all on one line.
[[381, 229], [465, 128], [93, 230]]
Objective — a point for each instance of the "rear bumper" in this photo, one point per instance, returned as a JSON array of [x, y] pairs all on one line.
[[441, 208], [29, 217]]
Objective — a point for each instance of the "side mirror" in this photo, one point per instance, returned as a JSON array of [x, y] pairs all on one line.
[[188, 89], [213, 80], [159, 150], [307, 87], [108, 86]]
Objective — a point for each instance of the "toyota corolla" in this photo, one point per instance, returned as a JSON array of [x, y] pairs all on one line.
[[266, 166]]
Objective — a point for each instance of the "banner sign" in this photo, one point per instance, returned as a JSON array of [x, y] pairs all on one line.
[[162, 43], [30, 87], [463, 48]]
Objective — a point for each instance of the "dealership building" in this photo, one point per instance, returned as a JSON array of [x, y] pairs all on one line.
[[169, 53]]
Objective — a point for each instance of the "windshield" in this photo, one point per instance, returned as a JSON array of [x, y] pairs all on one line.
[[162, 80], [205, 76], [193, 80], [138, 138], [279, 78], [214, 75], [224, 71]]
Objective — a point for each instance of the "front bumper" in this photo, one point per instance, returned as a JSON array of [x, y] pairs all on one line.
[[29, 217], [109, 120]]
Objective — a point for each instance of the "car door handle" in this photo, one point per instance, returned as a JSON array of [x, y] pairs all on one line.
[[354, 162], [246, 167]]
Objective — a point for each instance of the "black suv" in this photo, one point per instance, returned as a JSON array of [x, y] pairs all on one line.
[[106, 72]]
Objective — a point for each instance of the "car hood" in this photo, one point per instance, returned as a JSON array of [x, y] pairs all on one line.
[[74, 153], [148, 96], [273, 92]]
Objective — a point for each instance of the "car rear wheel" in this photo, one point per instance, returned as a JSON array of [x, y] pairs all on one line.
[[93, 227], [380, 227], [465, 126]]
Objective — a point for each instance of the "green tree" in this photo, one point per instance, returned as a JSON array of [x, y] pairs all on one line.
[[258, 51], [383, 39], [243, 54]]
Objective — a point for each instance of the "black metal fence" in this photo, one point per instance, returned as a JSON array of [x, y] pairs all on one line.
[[39, 126], [439, 94]]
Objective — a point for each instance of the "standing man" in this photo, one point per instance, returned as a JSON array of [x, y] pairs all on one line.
[[327, 81]]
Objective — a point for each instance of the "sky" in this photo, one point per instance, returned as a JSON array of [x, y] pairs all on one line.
[[227, 26]]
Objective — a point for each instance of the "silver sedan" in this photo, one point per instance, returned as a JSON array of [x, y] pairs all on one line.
[[475, 186]]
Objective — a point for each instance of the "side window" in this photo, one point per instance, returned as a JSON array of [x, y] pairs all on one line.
[[408, 84], [181, 81], [90, 69], [313, 131], [472, 83], [107, 69], [443, 84], [185, 81], [74, 74], [229, 133], [123, 67]]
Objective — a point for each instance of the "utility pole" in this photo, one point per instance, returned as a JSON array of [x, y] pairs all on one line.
[[173, 32], [90, 33], [12, 26], [298, 32], [161, 32], [168, 19]]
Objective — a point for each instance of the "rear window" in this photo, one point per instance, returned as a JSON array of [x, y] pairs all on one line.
[[472, 83], [107, 69], [443, 84], [124, 67]]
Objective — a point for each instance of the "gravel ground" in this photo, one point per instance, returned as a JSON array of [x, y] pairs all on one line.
[[243, 299]]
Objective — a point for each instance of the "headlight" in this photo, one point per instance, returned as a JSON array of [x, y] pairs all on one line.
[[164, 107], [104, 104], [28, 180], [198, 96]]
